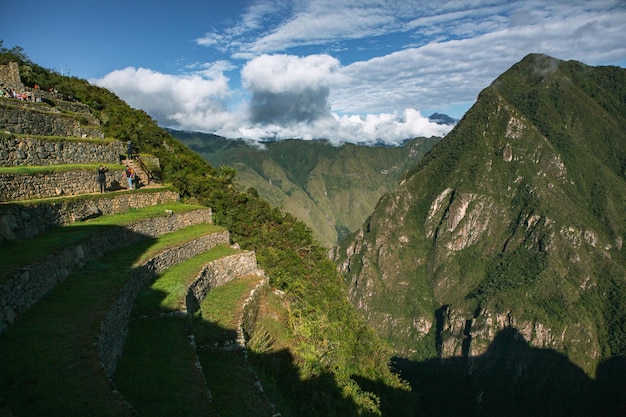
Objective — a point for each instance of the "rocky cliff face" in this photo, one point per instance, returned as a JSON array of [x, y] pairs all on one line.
[[516, 219]]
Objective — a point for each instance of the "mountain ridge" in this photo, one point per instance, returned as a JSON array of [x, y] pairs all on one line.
[[330, 188], [516, 218]]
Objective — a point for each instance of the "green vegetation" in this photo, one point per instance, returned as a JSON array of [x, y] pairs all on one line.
[[52, 334], [157, 373], [541, 239], [33, 170], [329, 343], [24, 252], [167, 293], [332, 189]]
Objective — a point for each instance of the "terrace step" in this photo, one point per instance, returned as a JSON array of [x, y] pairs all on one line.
[[53, 117], [53, 355], [235, 390], [53, 182], [42, 151], [27, 219], [23, 282], [221, 345], [159, 372]]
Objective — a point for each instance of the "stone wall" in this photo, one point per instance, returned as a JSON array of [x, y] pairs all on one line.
[[37, 152], [115, 325], [10, 76], [74, 107], [218, 273], [28, 285], [25, 220], [20, 187], [41, 120]]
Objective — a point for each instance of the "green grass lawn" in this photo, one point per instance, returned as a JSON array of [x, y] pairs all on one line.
[[168, 291], [157, 373], [227, 373]]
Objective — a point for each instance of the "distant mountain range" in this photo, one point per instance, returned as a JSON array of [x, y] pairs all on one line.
[[442, 119], [331, 188]]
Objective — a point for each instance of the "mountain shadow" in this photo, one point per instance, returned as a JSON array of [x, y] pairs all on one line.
[[513, 379]]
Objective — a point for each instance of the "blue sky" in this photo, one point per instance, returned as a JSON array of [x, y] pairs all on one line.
[[346, 70]]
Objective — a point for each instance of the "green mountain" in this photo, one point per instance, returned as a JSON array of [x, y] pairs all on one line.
[[330, 188], [516, 220]]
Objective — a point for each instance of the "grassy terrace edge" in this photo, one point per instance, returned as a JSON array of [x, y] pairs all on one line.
[[28, 251], [63, 327]]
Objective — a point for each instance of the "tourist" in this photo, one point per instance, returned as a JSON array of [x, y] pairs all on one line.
[[130, 177], [129, 150], [102, 178]]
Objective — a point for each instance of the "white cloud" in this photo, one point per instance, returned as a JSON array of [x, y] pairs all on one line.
[[195, 100], [452, 50], [288, 73], [454, 71], [323, 21], [372, 129]]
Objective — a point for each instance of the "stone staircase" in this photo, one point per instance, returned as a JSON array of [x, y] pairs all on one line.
[[143, 178], [67, 309]]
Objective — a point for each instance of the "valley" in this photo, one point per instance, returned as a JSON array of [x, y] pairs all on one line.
[[479, 274]]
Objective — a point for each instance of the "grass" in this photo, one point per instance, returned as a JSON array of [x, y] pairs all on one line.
[[28, 251], [227, 372], [50, 364], [168, 291], [33, 170], [219, 311], [157, 373]]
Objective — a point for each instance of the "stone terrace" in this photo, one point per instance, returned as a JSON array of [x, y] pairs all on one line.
[[27, 212]]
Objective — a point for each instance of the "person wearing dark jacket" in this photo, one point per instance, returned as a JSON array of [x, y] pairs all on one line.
[[102, 178], [129, 150]]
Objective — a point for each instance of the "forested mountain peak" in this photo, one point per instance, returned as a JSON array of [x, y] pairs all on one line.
[[515, 220]]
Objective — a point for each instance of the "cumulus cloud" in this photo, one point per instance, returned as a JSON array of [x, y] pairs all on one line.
[[289, 98], [192, 101], [287, 89], [372, 129]]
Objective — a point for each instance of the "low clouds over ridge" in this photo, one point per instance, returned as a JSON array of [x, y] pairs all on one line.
[[288, 98]]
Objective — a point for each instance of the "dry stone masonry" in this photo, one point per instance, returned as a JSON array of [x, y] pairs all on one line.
[[37, 152], [28, 207], [19, 187], [28, 285], [28, 219], [44, 121], [10, 76], [115, 325], [218, 273]]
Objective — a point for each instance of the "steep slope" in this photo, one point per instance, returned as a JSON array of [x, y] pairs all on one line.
[[515, 219], [330, 188], [317, 355]]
